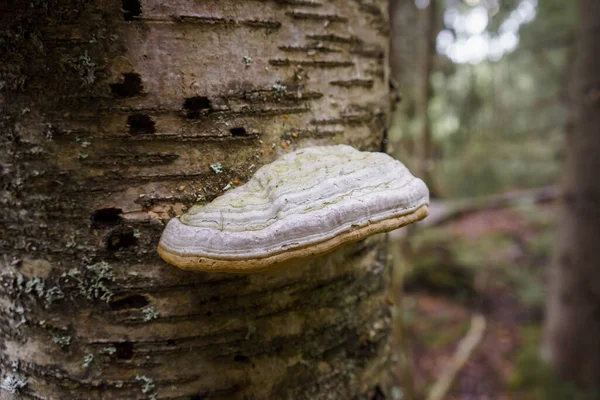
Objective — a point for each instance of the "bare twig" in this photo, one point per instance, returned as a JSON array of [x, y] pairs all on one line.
[[463, 352]]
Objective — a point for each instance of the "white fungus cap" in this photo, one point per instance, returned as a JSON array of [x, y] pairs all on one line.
[[306, 203]]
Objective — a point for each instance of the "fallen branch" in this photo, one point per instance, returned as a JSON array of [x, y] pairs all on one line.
[[442, 212], [462, 354]]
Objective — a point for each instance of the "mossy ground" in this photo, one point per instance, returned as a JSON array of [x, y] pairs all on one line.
[[491, 262]]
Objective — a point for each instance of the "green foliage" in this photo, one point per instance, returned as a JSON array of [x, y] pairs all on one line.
[[438, 334], [528, 285], [497, 125], [451, 264], [436, 270], [437, 266]]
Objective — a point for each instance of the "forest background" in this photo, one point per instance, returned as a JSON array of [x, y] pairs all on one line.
[[483, 115]]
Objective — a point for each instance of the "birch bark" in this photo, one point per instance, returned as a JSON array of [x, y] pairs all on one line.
[[117, 116]]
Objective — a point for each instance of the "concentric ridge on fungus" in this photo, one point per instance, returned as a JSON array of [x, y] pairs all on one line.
[[304, 204]]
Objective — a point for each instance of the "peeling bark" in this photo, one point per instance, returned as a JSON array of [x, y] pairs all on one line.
[[118, 115]]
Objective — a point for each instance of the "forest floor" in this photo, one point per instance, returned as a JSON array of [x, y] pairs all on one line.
[[490, 262]]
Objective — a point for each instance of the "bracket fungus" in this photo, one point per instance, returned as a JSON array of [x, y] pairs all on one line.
[[304, 204]]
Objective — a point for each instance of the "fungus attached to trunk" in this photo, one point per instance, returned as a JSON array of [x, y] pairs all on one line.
[[304, 204]]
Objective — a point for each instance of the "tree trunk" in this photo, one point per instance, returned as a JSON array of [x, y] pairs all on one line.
[[117, 116], [424, 90], [573, 317]]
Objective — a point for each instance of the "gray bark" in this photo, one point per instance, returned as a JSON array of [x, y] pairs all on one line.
[[112, 114]]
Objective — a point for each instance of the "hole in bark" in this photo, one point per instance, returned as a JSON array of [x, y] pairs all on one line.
[[198, 397], [195, 105], [106, 217], [132, 9], [171, 342], [238, 132], [378, 395], [141, 124], [120, 238], [125, 303], [241, 358], [131, 86], [124, 350]]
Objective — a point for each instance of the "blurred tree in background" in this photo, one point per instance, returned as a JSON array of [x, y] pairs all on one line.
[[493, 108], [484, 87], [573, 312]]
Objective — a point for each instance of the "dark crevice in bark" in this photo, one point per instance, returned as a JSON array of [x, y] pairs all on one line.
[[106, 217], [335, 38], [269, 25], [366, 83], [129, 302], [120, 238], [238, 132], [196, 106], [319, 297], [304, 49], [297, 14], [124, 350], [241, 358], [188, 281], [122, 159], [132, 9], [141, 124], [285, 62], [130, 87]]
